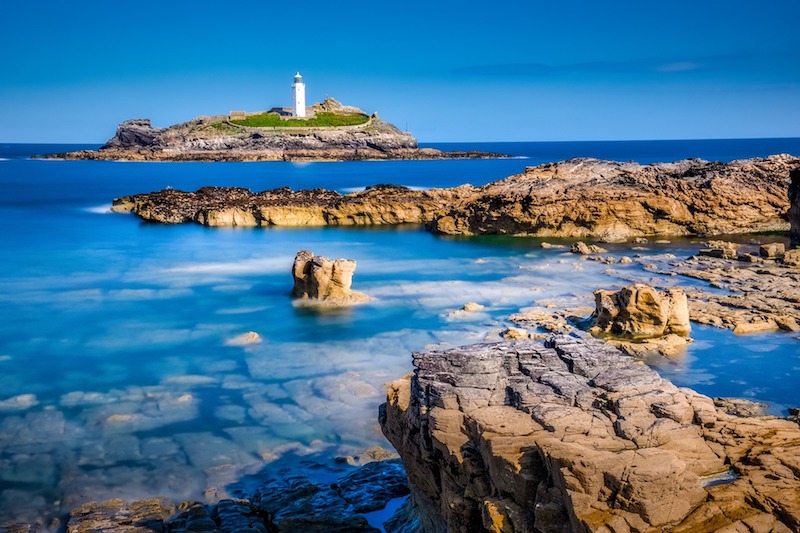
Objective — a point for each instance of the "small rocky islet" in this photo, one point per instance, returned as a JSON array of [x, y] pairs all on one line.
[[566, 435], [242, 137]]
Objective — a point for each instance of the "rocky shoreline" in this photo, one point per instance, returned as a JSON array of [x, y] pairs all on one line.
[[577, 198]]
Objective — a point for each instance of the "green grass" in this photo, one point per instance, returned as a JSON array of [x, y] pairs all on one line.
[[225, 127], [271, 120]]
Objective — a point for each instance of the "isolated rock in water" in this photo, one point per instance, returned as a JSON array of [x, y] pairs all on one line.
[[794, 207], [471, 307], [251, 337], [575, 436], [640, 311], [320, 279], [586, 249]]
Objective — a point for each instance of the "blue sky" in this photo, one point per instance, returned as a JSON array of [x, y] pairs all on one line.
[[447, 71]]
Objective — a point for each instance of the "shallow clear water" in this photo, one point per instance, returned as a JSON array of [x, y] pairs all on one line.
[[116, 376]]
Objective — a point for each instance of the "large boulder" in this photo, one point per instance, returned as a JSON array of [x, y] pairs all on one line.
[[640, 312], [794, 207], [319, 280]]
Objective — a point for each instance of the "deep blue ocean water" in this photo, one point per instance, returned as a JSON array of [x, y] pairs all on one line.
[[117, 377]]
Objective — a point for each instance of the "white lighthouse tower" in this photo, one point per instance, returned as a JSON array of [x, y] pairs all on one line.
[[298, 96]]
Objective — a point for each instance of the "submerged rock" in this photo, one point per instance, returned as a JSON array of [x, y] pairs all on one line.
[[319, 280], [290, 505], [575, 436], [245, 339]]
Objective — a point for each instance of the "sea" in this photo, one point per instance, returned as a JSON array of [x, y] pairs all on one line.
[[120, 370]]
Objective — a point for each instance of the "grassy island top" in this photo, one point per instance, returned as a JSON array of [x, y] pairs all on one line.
[[324, 119]]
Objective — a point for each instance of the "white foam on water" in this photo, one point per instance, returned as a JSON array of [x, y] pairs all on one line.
[[104, 209], [262, 265]]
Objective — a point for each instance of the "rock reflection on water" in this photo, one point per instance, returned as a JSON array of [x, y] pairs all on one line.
[[131, 387]]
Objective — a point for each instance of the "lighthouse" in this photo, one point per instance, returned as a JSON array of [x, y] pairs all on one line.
[[298, 96]]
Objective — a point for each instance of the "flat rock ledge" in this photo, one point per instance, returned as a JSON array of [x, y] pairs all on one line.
[[578, 198], [573, 435]]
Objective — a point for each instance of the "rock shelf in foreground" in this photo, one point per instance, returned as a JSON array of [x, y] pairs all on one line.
[[576, 436], [576, 198]]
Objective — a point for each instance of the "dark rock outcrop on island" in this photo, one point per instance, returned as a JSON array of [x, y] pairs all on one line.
[[218, 138], [574, 436], [794, 207], [575, 198], [322, 281]]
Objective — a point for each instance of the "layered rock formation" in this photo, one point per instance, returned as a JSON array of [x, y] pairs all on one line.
[[615, 201], [319, 280], [640, 311], [576, 198], [576, 436], [216, 138]]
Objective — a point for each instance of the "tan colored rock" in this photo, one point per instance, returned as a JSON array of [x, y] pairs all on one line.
[[579, 198], [757, 326], [792, 258], [512, 333], [472, 307], [115, 515], [772, 250], [319, 280], [762, 297], [245, 339], [586, 249], [575, 436], [640, 311]]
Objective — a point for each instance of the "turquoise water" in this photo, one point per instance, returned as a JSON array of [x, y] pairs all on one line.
[[117, 377]]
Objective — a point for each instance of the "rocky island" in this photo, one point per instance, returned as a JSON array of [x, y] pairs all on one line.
[[331, 131], [576, 198]]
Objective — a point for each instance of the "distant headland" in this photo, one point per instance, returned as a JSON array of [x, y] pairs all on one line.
[[323, 131]]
